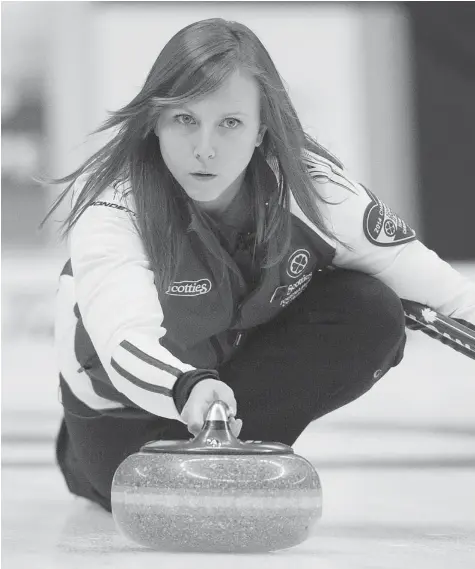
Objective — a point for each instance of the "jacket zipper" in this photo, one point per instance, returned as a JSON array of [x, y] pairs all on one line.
[[237, 311], [235, 314], [218, 349], [237, 341]]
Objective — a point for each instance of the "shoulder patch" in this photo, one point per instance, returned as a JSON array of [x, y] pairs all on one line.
[[382, 227]]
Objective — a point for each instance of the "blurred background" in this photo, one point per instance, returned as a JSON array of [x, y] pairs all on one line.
[[387, 87]]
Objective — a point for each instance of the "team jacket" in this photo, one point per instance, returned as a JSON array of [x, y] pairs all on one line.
[[121, 343]]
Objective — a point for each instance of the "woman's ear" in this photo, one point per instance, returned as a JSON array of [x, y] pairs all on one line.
[[261, 134], [158, 122]]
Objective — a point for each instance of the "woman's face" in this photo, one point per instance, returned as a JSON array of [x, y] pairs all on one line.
[[217, 134]]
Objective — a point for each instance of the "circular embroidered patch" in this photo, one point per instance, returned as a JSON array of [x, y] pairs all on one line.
[[297, 263]]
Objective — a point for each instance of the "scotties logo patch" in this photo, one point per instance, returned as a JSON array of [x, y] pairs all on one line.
[[297, 263], [382, 227], [189, 288]]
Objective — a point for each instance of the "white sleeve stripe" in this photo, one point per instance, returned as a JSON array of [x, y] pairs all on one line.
[[142, 384], [147, 358], [139, 367]]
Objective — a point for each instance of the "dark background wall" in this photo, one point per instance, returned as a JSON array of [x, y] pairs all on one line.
[[443, 44]]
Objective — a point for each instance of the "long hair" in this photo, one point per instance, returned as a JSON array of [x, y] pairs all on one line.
[[193, 63]]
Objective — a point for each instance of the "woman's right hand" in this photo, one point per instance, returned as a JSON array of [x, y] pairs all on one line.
[[201, 397]]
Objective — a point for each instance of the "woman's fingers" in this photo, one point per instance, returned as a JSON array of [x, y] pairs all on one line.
[[202, 396]]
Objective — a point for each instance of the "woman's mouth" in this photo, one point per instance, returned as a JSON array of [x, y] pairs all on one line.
[[203, 177]]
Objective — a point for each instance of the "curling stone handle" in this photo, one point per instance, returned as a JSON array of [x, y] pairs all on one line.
[[219, 411], [216, 431]]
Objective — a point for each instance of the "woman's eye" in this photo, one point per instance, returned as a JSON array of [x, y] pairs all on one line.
[[186, 120], [236, 121], [179, 118]]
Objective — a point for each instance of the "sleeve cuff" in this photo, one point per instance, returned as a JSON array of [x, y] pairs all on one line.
[[186, 382]]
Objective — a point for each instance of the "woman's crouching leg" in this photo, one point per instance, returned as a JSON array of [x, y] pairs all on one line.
[[326, 349]]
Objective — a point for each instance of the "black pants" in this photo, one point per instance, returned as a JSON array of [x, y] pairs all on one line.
[[326, 349]]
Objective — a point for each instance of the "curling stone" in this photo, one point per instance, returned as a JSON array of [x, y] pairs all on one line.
[[216, 493]]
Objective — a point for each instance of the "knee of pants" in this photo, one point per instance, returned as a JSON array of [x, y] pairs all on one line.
[[378, 306], [379, 317], [373, 313]]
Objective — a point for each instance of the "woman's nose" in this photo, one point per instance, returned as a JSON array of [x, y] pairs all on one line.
[[205, 146]]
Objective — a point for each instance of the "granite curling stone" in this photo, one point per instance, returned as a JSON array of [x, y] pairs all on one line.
[[215, 493]]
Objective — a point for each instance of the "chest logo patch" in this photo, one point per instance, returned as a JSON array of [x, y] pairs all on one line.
[[189, 288], [285, 294], [297, 263], [384, 228]]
